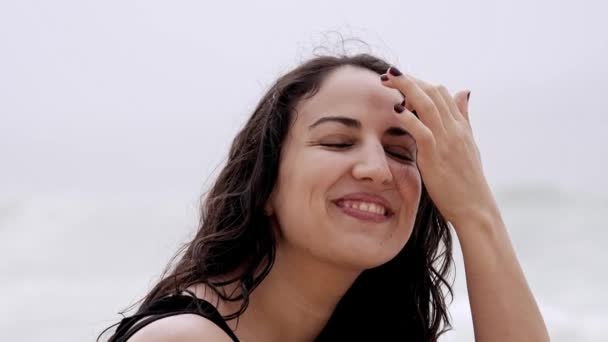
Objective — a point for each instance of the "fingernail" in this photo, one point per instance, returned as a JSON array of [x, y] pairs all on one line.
[[394, 71], [468, 96], [399, 108], [384, 77]]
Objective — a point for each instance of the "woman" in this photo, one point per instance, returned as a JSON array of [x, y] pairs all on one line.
[[330, 222]]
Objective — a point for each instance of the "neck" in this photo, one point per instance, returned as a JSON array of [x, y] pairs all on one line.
[[296, 299]]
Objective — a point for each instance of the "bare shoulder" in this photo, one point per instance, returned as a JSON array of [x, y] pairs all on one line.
[[181, 328]]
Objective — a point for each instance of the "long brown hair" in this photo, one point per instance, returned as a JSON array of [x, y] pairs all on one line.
[[402, 299]]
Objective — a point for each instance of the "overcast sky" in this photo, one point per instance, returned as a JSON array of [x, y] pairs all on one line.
[[132, 96]]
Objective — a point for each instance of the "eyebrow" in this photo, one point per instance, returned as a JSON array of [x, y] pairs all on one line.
[[353, 123]]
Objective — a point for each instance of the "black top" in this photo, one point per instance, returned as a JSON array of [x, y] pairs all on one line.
[[170, 306]]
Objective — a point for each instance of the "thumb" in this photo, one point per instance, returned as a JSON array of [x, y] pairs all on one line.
[[462, 102]]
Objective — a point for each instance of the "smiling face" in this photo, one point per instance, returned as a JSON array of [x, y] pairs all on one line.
[[348, 187]]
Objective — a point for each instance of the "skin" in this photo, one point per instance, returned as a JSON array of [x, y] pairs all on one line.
[[502, 304], [316, 237]]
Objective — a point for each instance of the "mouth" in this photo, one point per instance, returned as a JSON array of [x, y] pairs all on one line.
[[367, 207], [364, 207], [363, 211]]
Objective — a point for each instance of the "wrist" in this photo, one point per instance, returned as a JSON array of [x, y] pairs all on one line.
[[479, 220]]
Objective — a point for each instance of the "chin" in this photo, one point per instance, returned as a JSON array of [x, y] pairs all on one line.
[[372, 254]]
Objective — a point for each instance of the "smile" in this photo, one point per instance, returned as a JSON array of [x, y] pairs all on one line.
[[366, 211], [364, 206]]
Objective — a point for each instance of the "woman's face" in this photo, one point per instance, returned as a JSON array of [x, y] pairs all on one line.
[[348, 187]]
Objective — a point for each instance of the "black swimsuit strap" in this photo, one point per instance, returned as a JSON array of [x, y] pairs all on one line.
[[171, 306]]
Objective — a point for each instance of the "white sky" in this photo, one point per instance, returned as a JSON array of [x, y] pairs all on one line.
[[135, 96]]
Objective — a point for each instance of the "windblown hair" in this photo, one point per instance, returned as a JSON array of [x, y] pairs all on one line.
[[404, 299]]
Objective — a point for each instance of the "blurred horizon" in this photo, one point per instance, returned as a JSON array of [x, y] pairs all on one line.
[[79, 259]]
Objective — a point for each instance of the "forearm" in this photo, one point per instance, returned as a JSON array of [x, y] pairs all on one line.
[[502, 304]]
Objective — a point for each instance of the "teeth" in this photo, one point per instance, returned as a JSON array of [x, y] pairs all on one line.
[[364, 206]]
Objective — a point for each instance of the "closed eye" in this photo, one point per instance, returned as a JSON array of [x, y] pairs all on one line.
[[399, 156], [395, 155], [337, 145]]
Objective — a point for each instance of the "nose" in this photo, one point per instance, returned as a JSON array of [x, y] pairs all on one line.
[[373, 165]]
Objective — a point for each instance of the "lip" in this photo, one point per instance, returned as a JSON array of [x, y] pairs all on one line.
[[367, 197]]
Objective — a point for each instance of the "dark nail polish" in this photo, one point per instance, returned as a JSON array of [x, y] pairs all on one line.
[[399, 108], [468, 96], [384, 77], [394, 71]]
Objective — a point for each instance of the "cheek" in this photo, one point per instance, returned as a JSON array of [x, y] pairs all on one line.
[[301, 181], [409, 182], [315, 171]]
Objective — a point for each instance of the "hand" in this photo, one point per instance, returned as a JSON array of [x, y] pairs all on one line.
[[448, 157]]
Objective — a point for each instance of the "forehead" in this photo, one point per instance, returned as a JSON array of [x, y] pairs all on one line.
[[351, 91]]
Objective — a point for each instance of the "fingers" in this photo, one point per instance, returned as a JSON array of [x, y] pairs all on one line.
[[417, 98], [423, 136], [462, 102], [433, 104], [453, 108], [443, 104]]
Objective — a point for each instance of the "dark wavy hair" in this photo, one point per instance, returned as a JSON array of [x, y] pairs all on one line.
[[404, 299]]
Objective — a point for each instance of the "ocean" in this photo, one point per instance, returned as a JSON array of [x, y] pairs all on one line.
[[72, 261]]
